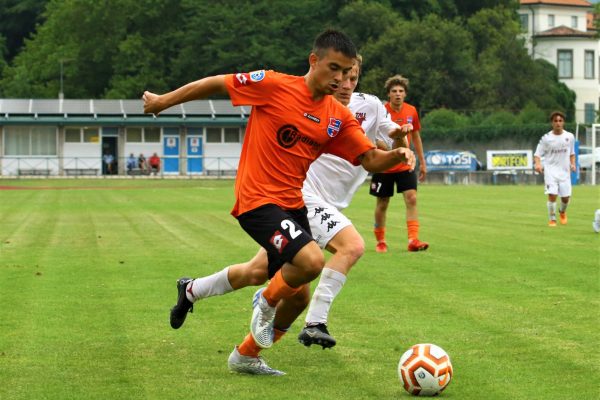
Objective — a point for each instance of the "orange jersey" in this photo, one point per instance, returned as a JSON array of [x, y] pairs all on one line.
[[287, 130], [407, 115]]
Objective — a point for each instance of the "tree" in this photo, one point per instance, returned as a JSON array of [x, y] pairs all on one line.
[[435, 54]]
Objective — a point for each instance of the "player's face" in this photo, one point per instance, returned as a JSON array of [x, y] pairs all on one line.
[[558, 123], [329, 71], [396, 95], [347, 86]]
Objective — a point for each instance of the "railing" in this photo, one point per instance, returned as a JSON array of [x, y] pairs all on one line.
[[226, 167], [89, 167]]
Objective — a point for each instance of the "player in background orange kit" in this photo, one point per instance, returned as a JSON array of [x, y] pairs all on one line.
[[402, 175], [293, 121]]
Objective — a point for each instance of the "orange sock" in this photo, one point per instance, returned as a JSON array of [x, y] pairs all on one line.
[[413, 229], [251, 349], [379, 234], [278, 289]]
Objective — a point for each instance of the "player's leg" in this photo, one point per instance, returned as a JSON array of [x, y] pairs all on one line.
[[245, 357], [551, 190], [294, 260], [596, 223], [233, 277], [347, 247], [407, 185], [382, 187], [564, 191]]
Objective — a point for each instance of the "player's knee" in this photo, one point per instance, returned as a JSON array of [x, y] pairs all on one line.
[[411, 199], [313, 263], [354, 249], [258, 276]]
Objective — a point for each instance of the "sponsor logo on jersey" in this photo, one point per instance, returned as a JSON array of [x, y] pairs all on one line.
[[257, 76], [288, 136], [241, 79], [360, 117], [278, 241], [246, 79], [312, 118], [334, 126]]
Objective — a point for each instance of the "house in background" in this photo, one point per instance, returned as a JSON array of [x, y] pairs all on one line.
[[562, 32]]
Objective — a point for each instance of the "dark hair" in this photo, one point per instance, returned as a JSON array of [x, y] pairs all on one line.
[[555, 113], [336, 40]]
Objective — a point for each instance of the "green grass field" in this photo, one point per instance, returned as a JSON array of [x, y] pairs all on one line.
[[88, 271]]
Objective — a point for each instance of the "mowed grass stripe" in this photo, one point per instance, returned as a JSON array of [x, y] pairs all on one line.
[[514, 303]]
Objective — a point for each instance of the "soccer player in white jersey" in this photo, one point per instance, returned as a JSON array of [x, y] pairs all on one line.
[[557, 147], [330, 185]]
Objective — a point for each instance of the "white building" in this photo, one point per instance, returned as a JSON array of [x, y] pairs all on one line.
[[562, 32]]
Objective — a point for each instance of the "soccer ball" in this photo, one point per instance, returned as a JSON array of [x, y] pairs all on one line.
[[425, 370]]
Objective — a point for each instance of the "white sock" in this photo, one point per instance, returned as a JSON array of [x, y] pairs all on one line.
[[597, 216], [563, 207], [212, 285], [329, 286], [552, 210]]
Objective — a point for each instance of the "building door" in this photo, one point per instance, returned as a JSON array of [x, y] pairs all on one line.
[[109, 148], [171, 151], [194, 154]]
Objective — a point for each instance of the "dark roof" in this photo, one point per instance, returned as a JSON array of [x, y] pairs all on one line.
[[123, 108], [564, 31], [569, 3]]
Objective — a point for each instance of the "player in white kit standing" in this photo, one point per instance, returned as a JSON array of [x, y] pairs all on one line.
[[557, 147]]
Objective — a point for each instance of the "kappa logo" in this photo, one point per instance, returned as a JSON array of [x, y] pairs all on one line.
[[334, 127], [278, 241], [361, 117], [331, 225]]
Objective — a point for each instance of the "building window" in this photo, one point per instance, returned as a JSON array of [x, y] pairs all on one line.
[[589, 64], [82, 134], [30, 141], [143, 135], [152, 135], [223, 135], [574, 22], [565, 64], [232, 135], [550, 20], [524, 22], [213, 135], [589, 113]]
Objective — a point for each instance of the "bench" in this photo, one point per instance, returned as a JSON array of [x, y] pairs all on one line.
[[138, 171], [81, 171], [33, 171]]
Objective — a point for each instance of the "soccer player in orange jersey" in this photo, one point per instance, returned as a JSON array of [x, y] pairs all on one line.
[[293, 121], [401, 176]]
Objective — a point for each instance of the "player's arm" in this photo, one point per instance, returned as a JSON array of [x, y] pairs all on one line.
[[572, 161], [375, 160], [200, 89], [416, 140], [537, 164]]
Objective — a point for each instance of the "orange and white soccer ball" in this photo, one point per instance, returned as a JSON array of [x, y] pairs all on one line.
[[425, 370]]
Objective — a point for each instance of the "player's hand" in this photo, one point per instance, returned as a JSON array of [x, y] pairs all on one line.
[[408, 157], [398, 133], [422, 172], [573, 167], [406, 128], [539, 169], [151, 103]]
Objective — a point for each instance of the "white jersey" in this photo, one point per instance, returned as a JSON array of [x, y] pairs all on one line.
[[334, 179], [556, 151]]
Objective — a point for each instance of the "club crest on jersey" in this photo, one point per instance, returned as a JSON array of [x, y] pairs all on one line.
[[278, 241], [361, 117], [334, 126]]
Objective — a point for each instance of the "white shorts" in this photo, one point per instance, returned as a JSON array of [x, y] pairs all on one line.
[[325, 220], [562, 187]]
